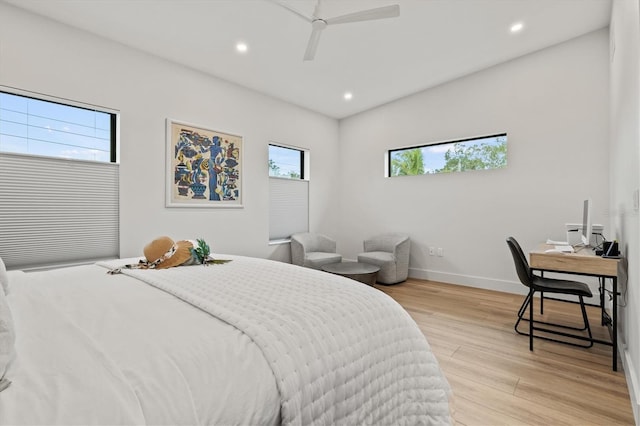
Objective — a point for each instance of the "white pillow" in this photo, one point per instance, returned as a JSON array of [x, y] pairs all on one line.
[[4, 278], [7, 335]]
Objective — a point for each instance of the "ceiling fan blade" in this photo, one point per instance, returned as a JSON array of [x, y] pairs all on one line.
[[292, 10], [366, 15], [312, 45], [316, 11]]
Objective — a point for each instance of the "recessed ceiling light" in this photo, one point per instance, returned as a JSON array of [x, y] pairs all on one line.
[[242, 47], [348, 96], [517, 27]]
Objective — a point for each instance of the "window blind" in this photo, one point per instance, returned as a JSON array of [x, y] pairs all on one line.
[[55, 211], [288, 207]]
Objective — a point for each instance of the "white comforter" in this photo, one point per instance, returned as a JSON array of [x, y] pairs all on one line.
[[99, 349], [305, 347]]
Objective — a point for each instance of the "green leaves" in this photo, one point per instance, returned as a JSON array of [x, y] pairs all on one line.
[[202, 252], [408, 163], [475, 157]]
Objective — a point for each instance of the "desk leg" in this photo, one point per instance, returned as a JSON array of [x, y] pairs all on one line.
[[614, 324], [601, 281], [542, 296]]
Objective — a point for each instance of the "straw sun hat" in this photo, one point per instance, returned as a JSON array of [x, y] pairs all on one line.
[[163, 253]]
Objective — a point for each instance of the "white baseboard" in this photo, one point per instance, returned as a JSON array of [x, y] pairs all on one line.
[[468, 280], [504, 286], [632, 383]]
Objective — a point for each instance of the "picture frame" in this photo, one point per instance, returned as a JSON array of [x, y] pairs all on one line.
[[203, 167]]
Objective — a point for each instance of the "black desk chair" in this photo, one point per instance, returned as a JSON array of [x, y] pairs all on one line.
[[548, 285]]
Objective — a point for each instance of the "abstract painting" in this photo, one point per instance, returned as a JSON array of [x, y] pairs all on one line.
[[204, 167]]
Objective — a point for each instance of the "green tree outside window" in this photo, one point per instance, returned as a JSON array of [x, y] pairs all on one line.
[[483, 153]]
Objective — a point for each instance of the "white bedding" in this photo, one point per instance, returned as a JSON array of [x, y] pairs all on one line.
[[94, 348], [99, 349]]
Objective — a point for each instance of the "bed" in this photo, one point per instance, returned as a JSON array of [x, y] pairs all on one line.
[[248, 342]]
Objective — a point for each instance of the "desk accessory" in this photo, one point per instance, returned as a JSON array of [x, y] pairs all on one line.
[[610, 249]]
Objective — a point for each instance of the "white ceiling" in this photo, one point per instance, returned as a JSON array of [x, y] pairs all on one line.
[[433, 41]]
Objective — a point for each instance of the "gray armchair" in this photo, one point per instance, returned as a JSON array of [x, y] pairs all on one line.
[[313, 250], [391, 253]]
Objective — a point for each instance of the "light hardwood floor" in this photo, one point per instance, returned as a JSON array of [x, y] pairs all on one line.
[[495, 379]]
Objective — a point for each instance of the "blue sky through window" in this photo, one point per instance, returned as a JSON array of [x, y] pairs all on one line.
[[287, 161], [33, 126]]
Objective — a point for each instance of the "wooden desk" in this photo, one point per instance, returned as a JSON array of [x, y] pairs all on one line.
[[585, 262]]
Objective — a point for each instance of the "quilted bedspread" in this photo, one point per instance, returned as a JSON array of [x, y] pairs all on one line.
[[341, 352]]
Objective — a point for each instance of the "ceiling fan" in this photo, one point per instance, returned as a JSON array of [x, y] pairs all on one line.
[[318, 23]]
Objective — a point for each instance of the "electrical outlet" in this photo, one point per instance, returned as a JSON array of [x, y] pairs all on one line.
[[432, 251], [440, 252]]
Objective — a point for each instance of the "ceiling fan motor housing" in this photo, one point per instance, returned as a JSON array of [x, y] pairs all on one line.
[[319, 24]]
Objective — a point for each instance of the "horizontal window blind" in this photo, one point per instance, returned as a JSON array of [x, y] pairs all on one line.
[[55, 211], [288, 207]]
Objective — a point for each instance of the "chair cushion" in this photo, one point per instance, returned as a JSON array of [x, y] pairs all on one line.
[[377, 258], [318, 258], [553, 285]]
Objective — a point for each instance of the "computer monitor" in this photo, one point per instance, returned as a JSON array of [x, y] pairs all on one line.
[[586, 222]]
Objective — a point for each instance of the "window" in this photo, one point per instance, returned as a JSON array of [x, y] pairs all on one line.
[[288, 191], [59, 182], [481, 153], [286, 162], [36, 126]]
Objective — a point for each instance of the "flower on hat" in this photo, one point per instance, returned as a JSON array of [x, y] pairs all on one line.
[[201, 252]]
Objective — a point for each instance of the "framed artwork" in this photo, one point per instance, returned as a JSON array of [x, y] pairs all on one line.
[[204, 167]]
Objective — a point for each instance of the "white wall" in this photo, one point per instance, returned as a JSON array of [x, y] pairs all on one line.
[[625, 176], [553, 104], [43, 56], [555, 107]]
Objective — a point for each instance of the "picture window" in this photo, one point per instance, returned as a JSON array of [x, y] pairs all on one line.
[[29, 125], [286, 162], [479, 153]]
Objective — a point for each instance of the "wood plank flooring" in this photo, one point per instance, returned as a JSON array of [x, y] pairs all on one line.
[[495, 379]]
